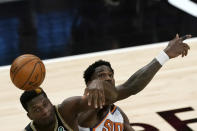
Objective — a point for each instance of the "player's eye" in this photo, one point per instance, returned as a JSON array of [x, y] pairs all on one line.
[[36, 110], [45, 104], [101, 75], [111, 75]]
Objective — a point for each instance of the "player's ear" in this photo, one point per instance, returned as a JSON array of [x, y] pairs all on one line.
[[88, 83]]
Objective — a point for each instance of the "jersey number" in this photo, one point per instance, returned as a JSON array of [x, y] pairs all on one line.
[[112, 126]]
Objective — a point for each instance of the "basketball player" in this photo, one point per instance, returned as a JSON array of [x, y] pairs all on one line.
[[111, 117], [47, 117]]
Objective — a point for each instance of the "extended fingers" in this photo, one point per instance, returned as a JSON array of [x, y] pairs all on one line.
[[95, 99], [183, 53], [101, 97], [181, 39], [186, 48], [185, 37], [89, 95]]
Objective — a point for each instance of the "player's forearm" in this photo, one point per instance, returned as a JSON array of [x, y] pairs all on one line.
[[138, 80]]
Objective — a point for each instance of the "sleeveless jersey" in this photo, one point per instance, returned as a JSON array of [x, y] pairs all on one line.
[[60, 125], [113, 121]]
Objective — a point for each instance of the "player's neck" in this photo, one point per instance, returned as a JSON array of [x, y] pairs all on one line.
[[48, 127], [103, 111]]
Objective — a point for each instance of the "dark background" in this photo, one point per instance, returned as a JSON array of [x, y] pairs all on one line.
[[56, 28]]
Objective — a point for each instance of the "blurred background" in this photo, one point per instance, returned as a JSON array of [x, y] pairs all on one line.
[[56, 28]]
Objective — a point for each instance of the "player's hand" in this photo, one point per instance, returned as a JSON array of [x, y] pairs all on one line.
[[176, 47], [95, 93]]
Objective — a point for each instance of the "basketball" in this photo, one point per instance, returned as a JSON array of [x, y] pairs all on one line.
[[27, 72]]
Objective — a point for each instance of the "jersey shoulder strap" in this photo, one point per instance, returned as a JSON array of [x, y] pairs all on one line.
[[61, 121], [28, 128]]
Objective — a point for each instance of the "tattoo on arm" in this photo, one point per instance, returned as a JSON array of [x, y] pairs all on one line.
[[138, 80]]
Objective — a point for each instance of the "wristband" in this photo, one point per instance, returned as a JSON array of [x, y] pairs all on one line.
[[162, 57]]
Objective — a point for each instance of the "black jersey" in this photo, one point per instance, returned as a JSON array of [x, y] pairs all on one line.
[[60, 126]]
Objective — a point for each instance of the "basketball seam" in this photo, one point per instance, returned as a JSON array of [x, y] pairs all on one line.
[[41, 72], [29, 76], [21, 67], [41, 78]]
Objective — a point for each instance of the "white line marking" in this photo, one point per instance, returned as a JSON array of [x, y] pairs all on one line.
[[109, 52]]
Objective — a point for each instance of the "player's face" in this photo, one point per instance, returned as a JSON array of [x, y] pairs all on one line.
[[104, 73], [41, 111]]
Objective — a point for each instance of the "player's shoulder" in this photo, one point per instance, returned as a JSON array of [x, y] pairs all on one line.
[[68, 106], [113, 106], [70, 102], [119, 109]]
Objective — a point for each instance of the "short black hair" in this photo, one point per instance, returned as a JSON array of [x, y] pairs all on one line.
[[29, 95], [91, 69]]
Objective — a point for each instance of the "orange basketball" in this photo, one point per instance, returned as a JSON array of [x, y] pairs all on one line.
[[27, 72]]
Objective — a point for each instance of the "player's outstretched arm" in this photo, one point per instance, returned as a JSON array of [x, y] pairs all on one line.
[[143, 76], [71, 107]]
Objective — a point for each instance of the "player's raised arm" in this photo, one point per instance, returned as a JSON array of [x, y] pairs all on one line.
[[143, 76], [97, 94], [100, 92]]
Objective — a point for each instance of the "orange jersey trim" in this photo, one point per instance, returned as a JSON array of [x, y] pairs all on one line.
[[115, 107], [101, 121]]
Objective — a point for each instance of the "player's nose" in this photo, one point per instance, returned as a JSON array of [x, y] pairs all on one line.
[[108, 78], [45, 112]]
